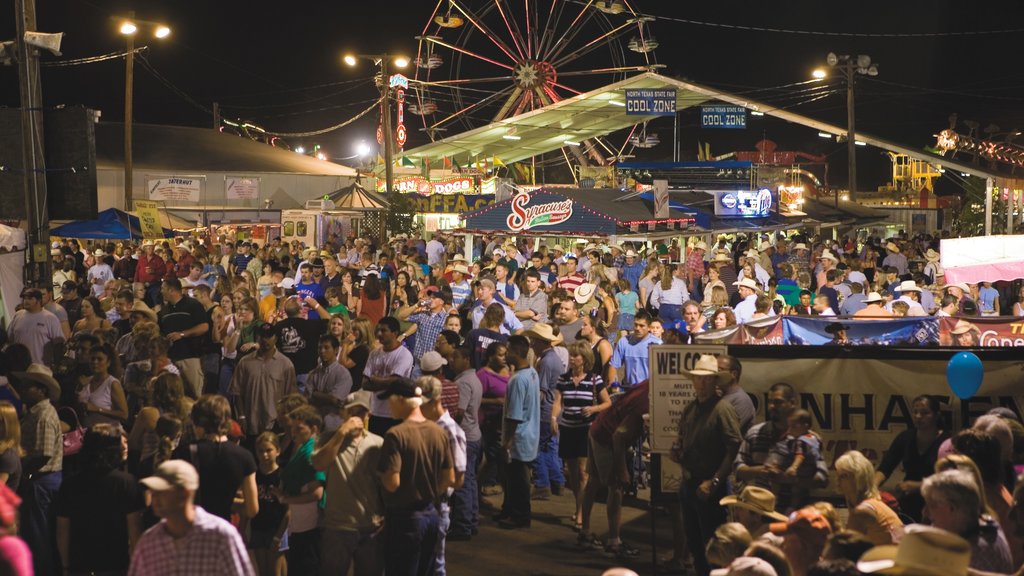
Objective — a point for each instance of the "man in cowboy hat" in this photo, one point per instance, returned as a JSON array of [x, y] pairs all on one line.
[[873, 309], [100, 273], [633, 269], [895, 258], [962, 292], [547, 468], [42, 464], [709, 438], [799, 258], [461, 289], [748, 290], [933, 269], [909, 292], [695, 270], [923, 551], [753, 507]]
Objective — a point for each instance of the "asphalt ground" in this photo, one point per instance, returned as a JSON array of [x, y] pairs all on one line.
[[548, 547]]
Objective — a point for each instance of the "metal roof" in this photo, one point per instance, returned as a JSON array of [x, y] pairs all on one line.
[[592, 114]]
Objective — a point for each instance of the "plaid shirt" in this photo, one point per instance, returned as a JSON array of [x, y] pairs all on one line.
[[428, 327], [695, 264], [41, 436], [213, 546]]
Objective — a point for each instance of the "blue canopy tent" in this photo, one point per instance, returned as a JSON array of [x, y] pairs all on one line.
[[110, 224]]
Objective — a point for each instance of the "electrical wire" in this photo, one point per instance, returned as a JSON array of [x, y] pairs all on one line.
[[924, 90], [91, 59], [839, 34], [170, 85], [369, 109]]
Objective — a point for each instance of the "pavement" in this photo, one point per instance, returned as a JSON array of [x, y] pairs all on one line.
[[548, 547]]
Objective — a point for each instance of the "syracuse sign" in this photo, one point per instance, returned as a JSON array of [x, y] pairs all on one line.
[[524, 217]]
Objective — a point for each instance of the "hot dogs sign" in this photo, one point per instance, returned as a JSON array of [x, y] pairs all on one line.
[[524, 217]]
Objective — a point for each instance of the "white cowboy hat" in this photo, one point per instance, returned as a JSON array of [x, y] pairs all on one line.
[[558, 248], [826, 255], [543, 332], [617, 247], [721, 257], [147, 243], [892, 247], [872, 298], [923, 551], [584, 292], [459, 258], [751, 254], [707, 365], [908, 286], [747, 283], [931, 255], [40, 374], [800, 246], [755, 499], [962, 286], [630, 254]]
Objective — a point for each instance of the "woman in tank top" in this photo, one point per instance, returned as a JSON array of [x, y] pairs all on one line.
[[595, 335], [101, 396]]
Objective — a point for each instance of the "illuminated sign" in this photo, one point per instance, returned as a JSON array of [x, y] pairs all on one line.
[[723, 117], [450, 203], [744, 203], [524, 217], [651, 102], [420, 185], [791, 198], [489, 186], [452, 186], [399, 81]]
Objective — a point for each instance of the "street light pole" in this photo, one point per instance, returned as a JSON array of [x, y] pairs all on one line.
[[129, 75], [850, 66]]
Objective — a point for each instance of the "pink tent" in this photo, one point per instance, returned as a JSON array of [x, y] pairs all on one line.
[[982, 258]]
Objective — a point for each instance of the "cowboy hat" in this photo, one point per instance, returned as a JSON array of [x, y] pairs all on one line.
[[721, 257], [40, 374], [147, 243], [707, 365], [872, 298], [630, 254], [140, 307], [747, 283], [963, 327], [908, 286], [835, 327], [326, 254], [461, 268], [923, 551], [751, 254], [584, 292], [459, 258], [543, 332], [617, 247], [826, 255], [702, 245], [558, 248], [892, 247], [962, 286], [755, 499], [931, 255], [800, 246], [765, 247]]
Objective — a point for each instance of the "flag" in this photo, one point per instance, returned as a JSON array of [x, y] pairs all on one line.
[[455, 165], [497, 161], [426, 168], [379, 161], [407, 162], [447, 163]]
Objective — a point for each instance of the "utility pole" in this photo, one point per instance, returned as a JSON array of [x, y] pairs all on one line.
[[37, 268], [851, 141], [389, 144], [129, 79]]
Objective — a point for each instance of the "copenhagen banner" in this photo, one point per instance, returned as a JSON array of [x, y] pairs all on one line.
[[995, 331], [855, 404]]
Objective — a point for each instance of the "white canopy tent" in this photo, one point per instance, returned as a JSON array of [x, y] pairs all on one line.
[[12, 262], [982, 258]]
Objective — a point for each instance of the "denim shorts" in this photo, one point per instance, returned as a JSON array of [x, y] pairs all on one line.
[[626, 321]]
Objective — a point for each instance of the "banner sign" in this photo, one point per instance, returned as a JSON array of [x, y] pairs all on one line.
[[920, 331], [672, 388], [651, 102], [420, 185], [149, 219], [175, 189], [744, 203], [242, 188], [985, 332], [525, 216], [450, 203], [723, 117]]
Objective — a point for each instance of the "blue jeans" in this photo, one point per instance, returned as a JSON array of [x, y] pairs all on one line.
[[670, 314], [547, 468], [465, 502], [411, 540], [626, 321], [516, 506], [38, 525], [444, 524], [227, 370], [701, 517]]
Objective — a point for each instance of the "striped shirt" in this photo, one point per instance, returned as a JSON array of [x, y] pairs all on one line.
[[460, 293], [570, 282], [577, 397]]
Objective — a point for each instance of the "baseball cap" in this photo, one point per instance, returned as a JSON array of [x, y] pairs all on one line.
[[172, 474], [807, 524], [266, 330], [432, 361], [488, 282], [359, 398], [403, 387]]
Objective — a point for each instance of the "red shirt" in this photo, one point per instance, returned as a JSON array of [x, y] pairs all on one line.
[[570, 282], [154, 262], [630, 408]]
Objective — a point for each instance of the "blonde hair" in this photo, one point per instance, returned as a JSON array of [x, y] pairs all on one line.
[[10, 428], [863, 472], [364, 334], [729, 542]]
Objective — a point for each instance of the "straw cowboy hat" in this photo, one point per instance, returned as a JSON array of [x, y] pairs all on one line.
[[140, 307], [755, 499], [872, 298], [826, 255], [752, 254], [800, 246], [747, 283], [923, 551], [461, 268], [707, 365], [931, 255], [585, 292], [962, 286], [908, 286], [702, 245], [963, 327], [459, 258], [892, 247], [40, 374], [544, 332], [721, 257]]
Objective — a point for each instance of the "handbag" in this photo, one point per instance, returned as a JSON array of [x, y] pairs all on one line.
[[75, 436]]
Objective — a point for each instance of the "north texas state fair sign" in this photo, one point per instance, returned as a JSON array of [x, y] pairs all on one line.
[[524, 217]]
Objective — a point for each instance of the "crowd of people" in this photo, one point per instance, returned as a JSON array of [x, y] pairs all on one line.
[[234, 408]]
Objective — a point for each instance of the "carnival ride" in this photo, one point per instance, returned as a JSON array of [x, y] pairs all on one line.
[[480, 62]]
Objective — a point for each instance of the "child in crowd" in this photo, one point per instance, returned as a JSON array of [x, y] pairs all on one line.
[[797, 455], [267, 534], [626, 300]]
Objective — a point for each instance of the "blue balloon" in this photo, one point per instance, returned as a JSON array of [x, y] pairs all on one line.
[[964, 374]]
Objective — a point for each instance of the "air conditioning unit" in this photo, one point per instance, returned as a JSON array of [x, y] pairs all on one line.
[[322, 205]]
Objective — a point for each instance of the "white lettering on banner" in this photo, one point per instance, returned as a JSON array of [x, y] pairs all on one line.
[[994, 338], [453, 186], [672, 388], [524, 218]]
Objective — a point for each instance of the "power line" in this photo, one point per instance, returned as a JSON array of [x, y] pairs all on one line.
[[92, 59], [839, 34], [369, 109]]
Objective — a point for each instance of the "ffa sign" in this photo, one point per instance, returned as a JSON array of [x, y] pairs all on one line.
[[524, 217], [450, 203]]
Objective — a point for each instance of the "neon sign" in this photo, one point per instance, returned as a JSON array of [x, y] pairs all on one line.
[[524, 217]]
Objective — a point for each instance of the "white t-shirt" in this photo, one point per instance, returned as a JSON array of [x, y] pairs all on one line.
[[35, 331], [435, 253], [381, 364]]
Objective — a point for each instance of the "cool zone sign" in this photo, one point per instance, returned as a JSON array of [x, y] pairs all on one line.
[[723, 117], [651, 102]]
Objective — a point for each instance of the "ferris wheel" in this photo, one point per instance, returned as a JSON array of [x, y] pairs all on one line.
[[481, 61]]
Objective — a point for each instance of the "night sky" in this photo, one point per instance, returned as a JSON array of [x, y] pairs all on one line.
[[278, 65]]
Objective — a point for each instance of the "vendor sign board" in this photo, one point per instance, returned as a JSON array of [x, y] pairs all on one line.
[[672, 388], [539, 212], [149, 219], [242, 188], [175, 189], [450, 203]]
